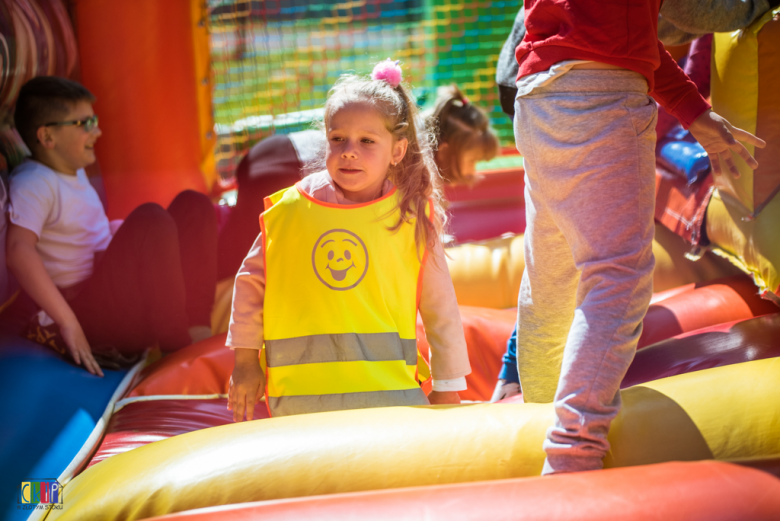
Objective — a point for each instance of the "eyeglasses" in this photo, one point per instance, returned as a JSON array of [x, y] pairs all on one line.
[[89, 123]]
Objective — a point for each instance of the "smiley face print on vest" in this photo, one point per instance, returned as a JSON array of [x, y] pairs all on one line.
[[340, 259]]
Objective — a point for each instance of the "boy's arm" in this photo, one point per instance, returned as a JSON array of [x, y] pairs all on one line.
[[676, 92], [25, 263], [719, 138]]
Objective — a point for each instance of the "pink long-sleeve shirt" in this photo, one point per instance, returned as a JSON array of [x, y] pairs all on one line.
[[438, 305]]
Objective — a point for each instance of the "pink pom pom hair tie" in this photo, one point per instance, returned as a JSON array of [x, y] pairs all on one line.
[[389, 71]]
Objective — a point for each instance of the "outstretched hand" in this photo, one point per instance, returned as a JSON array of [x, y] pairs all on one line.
[[719, 138], [247, 384], [79, 347]]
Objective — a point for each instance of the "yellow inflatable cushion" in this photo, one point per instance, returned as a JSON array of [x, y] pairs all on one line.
[[753, 245], [488, 273], [744, 213], [745, 76], [726, 413]]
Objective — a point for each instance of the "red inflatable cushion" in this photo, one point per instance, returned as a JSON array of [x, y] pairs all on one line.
[[493, 206], [670, 491], [715, 346], [199, 369], [705, 304]]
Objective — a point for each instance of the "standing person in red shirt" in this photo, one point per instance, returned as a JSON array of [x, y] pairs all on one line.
[[585, 124]]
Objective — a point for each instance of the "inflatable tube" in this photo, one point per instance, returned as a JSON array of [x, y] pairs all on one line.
[[201, 369], [144, 417], [488, 273], [676, 491], [138, 423], [704, 305], [492, 206], [719, 413], [716, 346]]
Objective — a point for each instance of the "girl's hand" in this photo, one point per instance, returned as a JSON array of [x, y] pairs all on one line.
[[444, 398], [78, 346], [719, 138], [247, 384]]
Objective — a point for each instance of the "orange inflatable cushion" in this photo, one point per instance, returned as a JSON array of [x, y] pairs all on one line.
[[670, 491]]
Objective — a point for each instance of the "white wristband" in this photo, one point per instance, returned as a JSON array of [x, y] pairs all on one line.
[[454, 384]]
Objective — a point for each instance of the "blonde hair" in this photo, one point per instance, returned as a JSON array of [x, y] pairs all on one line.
[[416, 175], [463, 126]]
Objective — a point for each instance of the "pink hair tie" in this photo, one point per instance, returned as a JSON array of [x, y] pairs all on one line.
[[389, 71], [465, 101]]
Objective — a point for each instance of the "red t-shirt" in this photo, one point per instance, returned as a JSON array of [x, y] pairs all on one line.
[[617, 32]]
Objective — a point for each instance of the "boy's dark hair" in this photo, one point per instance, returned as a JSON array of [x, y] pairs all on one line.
[[46, 99]]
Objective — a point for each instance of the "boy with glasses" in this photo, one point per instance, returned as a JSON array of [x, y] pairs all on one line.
[[99, 292]]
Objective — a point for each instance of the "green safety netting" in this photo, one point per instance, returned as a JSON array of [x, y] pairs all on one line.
[[274, 61]]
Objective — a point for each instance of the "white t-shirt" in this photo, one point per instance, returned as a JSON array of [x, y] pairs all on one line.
[[66, 214]]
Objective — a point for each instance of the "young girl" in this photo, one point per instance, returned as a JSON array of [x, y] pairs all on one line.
[[461, 136], [345, 259]]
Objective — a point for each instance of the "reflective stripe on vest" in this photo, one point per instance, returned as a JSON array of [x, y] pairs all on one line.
[[340, 306]]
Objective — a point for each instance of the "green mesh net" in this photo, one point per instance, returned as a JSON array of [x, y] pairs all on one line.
[[274, 61]]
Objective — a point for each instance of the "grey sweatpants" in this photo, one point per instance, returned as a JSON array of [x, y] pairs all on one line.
[[588, 142]]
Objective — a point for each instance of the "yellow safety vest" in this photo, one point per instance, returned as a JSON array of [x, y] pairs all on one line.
[[340, 308]]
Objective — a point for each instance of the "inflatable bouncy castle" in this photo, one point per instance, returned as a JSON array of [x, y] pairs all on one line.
[[181, 102]]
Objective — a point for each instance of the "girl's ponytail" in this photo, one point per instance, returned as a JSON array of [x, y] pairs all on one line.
[[417, 177]]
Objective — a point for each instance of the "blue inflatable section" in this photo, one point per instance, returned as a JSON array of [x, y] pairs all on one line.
[[49, 408], [681, 154]]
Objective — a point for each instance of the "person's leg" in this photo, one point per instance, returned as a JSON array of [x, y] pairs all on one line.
[[196, 223], [136, 295], [508, 384], [593, 152], [509, 369], [546, 302]]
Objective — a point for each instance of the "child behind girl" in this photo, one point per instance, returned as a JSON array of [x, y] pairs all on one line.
[[345, 259], [462, 135]]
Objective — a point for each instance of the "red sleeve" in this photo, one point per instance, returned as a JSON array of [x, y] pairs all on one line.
[[676, 92]]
